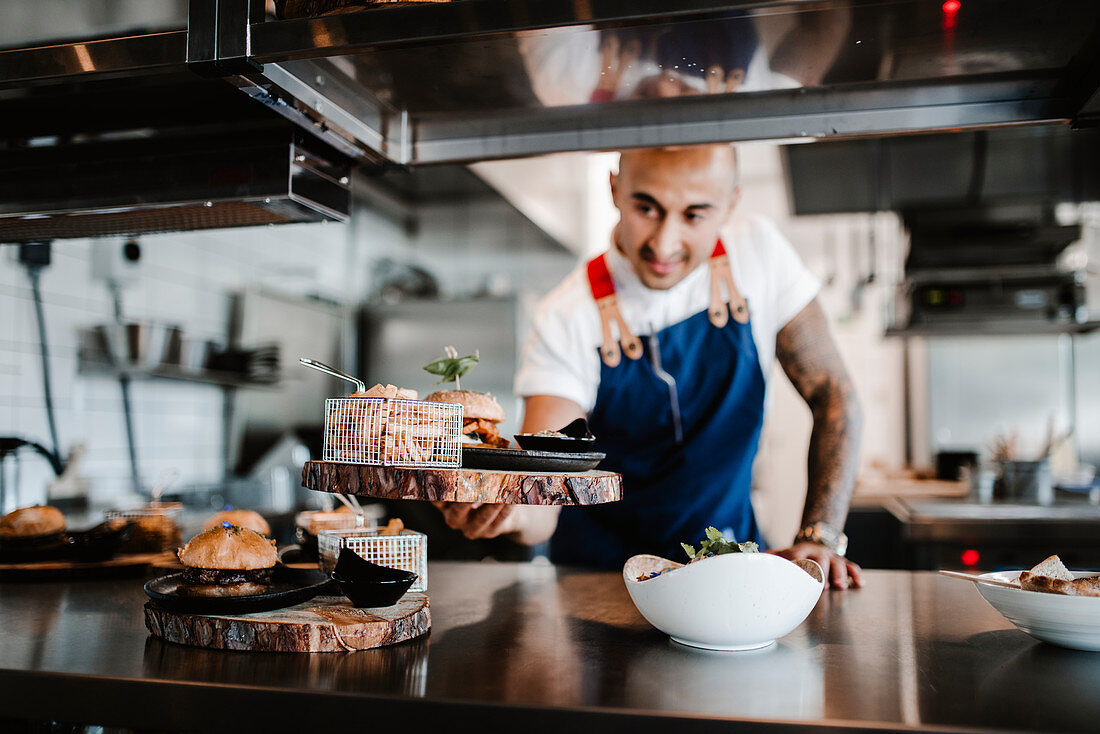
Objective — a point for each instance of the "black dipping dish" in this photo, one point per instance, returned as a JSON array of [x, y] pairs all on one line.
[[99, 543], [577, 439], [368, 584]]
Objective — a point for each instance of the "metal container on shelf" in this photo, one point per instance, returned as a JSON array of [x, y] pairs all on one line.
[[143, 344], [1026, 481]]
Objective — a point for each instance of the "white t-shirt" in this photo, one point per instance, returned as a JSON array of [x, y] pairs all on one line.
[[561, 357]]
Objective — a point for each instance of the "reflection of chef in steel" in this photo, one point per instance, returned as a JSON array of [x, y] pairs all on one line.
[[736, 53]]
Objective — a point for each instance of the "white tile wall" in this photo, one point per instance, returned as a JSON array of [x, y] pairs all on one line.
[[185, 279]]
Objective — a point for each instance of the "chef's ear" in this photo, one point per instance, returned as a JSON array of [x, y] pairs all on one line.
[[735, 199]]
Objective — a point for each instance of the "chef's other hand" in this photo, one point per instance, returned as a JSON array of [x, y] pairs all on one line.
[[477, 519], [840, 573]]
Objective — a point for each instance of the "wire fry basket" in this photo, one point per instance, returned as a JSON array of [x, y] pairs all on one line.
[[407, 551], [153, 527], [389, 432]]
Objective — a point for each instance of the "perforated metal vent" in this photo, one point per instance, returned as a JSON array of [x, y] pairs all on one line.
[[140, 221]]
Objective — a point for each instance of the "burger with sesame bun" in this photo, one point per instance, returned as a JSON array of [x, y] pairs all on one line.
[[32, 523], [32, 533], [227, 560], [481, 414]]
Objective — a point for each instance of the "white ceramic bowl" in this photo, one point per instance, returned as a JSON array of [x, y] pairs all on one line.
[[736, 601], [1069, 621]]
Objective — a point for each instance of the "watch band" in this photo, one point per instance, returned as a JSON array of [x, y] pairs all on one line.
[[826, 535]]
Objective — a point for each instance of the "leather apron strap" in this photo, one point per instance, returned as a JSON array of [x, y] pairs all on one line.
[[721, 308], [603, 290]]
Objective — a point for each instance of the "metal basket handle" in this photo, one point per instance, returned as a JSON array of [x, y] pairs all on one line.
[[322, 367]]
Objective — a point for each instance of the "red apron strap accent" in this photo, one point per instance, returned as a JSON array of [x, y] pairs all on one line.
[[721, 308], [599, 278], [603, 290]]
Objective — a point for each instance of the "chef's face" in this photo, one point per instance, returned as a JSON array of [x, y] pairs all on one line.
[[672, 202]]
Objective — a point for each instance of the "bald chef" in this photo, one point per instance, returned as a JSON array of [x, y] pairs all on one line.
[[664, 343]]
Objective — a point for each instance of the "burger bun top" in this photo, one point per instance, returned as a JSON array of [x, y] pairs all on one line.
[[241, 518], [475, 404], [229, 548], [30, 522]]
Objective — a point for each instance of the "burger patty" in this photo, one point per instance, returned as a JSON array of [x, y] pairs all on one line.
[[223, 577], [486, 432]]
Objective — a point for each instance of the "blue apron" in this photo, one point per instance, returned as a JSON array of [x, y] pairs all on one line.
[[674, 486]]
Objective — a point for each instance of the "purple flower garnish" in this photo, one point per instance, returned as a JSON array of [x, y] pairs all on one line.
[[226, 524]]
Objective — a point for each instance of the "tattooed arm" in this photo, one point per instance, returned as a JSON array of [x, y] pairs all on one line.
[[808, 355]]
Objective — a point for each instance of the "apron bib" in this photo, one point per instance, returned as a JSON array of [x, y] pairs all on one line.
[[680, 419]]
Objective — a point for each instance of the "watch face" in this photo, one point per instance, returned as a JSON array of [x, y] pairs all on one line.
[[824, 535]]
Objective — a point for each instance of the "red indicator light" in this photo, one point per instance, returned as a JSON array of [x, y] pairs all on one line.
[[970, 557], [951, 6]]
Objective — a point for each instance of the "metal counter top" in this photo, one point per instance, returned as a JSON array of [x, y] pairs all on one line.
[[547, 648], [939, 520]]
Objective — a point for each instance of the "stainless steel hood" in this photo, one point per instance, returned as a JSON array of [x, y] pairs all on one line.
[[167, 183], [423, 83], [157, 153], [974, 270]]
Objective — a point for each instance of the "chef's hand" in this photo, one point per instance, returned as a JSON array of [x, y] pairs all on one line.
[[478, 520], [840, 573]]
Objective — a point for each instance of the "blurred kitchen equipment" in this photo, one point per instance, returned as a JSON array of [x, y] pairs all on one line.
[[1026, 481], [258, 418], [196, 353], [1081, 480], [12, 496], [950, 464], [259, 364], [136, 343], [395, 282]]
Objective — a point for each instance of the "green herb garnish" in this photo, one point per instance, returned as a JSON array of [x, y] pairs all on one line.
[[716, 545], [452, 367]]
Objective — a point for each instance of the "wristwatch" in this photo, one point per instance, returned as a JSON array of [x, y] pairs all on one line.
[[824, 534]]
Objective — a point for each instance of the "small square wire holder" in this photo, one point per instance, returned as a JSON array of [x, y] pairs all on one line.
[[407, 551], [315, 521], [160, 517], [387, 432]]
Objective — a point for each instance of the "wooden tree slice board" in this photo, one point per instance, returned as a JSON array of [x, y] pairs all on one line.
[[322, 624], [463, 485], [133, 563]]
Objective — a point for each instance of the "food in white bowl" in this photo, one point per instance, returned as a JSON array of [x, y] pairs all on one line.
[[1053, 605], [732, 601]]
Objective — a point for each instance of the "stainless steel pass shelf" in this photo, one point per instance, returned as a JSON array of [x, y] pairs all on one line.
[[480, 79]]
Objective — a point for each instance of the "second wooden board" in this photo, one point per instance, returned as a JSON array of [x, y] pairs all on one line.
[[322, 624]]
